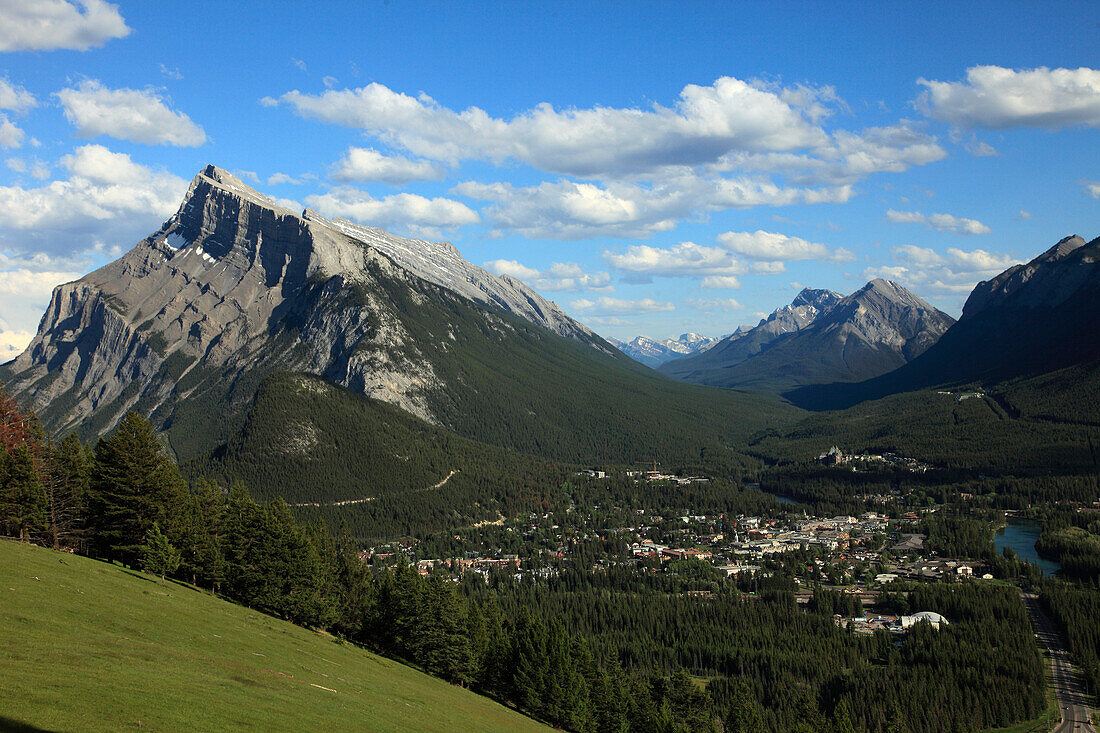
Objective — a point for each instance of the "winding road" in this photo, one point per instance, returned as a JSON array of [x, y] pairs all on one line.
[[364, 500], [1068, 685]]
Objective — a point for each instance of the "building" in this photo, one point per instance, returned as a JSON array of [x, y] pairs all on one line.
[[930, 616]]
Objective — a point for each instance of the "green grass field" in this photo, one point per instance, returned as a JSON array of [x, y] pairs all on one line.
[[87, 646]]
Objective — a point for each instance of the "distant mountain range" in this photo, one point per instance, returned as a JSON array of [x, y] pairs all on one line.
[[821, 337], [185, 326], [653, 352], [1030, 320]]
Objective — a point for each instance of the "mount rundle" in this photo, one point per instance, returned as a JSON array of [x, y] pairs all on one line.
[[233, 282]]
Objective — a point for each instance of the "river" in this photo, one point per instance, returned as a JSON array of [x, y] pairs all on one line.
[[1021, 535]]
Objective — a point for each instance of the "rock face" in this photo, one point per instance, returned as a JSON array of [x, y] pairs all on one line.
[[1047, 281], [1029, 320], [821, 337], [653, 353], [233, 287]]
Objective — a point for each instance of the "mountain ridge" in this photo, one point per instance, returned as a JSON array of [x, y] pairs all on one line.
[[654, 352], [1032, 319], [821, 336]]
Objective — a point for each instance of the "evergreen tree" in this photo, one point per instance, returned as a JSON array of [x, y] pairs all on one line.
[[528, 660], [745, 714], [22, 496], [158, 555], [842, 718], [67, 471], [133, 485], [198, 531]]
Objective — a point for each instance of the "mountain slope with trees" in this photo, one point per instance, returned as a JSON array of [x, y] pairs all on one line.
[[181, 659]]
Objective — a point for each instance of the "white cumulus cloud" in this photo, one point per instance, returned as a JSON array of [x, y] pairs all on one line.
[[1092, 188], [705, 123], [939, 222], [367, 164], [627, 172], [846, 157], [25, 287], [277, 178], [107, 200], [772, 247], [409, 213], [708, 305], [608, 306], [683, 259], [47, 25], [11, 136], [581, 210], [127, 114], [953, 273], [994, 97], [15, 98], [719, 265], [560, 276], [720, 282]]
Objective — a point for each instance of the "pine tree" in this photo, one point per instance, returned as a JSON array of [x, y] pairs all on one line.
[[158, 555], [745, 714], [133, 485], [22, 496], [528, 661], [67, 469], [842, 718], [198, 532]]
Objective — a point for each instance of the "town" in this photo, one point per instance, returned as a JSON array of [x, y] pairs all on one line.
[[863, 557]]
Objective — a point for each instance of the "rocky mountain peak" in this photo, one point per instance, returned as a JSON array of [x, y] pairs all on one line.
[[818, 298], [821, 336], [230, 282], [654, 352], [1051, 277], [1065, 246]]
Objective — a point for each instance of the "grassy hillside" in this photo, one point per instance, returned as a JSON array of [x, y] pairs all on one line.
[[90, 646]]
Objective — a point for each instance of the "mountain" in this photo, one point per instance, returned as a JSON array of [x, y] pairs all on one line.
[[653, 353], [745, 343], [336, 455], [185, 326], [821, 337], [1030, 320]]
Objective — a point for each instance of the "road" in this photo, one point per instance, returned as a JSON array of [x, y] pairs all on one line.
[[1068, 685]]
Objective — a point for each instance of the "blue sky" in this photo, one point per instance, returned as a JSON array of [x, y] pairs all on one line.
[[653, 167]]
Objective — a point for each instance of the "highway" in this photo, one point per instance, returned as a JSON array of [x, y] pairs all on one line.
[[1068, 685]]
